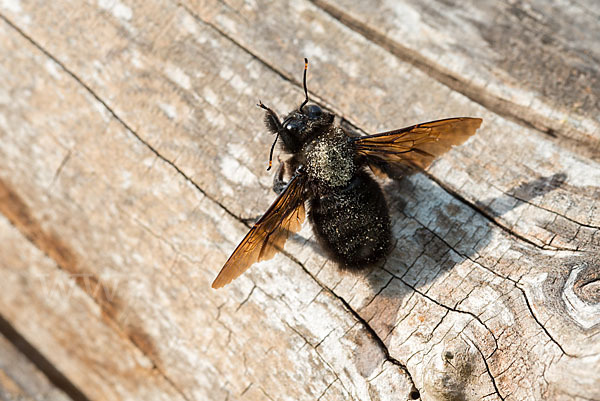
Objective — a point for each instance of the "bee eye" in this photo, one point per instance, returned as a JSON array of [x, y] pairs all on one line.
[[293, 125], [313, 111]]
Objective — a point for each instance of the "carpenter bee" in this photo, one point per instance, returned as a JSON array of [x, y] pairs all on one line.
[[330, 169]]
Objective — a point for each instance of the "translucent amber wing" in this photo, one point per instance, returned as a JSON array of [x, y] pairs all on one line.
[[416, 146], [269, 234]]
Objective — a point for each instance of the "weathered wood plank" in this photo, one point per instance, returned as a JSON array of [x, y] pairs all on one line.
[[516, 152], [104, 206], [514, 239], [504, 175], [535, 62], [338, 55], [22, 380], [45, 304]]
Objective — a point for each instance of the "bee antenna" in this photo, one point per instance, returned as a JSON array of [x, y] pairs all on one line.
[[304, 81], [271, 153]]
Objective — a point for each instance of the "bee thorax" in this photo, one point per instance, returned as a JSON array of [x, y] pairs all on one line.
[[330, 159]]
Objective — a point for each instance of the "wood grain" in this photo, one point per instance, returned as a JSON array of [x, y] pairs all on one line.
[[20, 379], [532, 62], [132, 153]]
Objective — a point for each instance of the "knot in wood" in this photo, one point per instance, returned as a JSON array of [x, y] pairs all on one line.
[[587, 284], [581, 294]]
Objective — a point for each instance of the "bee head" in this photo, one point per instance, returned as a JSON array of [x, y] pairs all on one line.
[[299, 126], [302, 125]]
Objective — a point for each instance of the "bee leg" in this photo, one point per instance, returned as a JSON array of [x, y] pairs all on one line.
[[279, 183]]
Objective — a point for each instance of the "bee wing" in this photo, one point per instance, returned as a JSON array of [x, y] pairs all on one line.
[[416, 146], [270, 232]]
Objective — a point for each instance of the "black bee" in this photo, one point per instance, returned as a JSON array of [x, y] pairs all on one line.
[[329, 168]]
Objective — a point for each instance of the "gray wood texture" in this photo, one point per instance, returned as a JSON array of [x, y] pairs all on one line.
[[132, 157], [20, 379]]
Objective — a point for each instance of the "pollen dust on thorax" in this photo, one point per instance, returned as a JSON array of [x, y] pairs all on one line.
[[330, 160]]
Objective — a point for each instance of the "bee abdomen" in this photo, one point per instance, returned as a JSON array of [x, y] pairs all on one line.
[[352, 223]]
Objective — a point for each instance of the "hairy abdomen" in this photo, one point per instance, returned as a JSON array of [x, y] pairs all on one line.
[[352, 222]]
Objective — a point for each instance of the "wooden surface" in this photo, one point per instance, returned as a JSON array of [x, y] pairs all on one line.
[[20, 379], [132, 156]]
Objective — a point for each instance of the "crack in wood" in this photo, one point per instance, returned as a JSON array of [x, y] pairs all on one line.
[[17, 214], [115, 115], [522, 115], [438, 324], [492, 220], [489, 372], [356, 128], [155, 152], [246, 389], [498, 275], [315, 346], [326, 389], [370, 331], [172, 164], [60, 168], [314, 97], [580, 224], [57, 252], [44, 365], [533, 315], [246, 299], [450, 308]]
